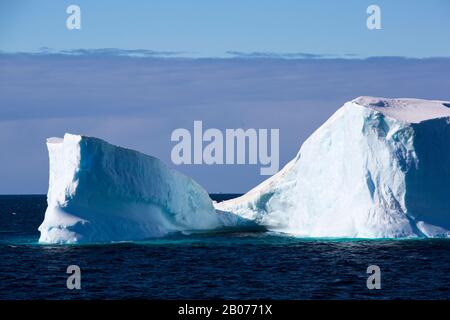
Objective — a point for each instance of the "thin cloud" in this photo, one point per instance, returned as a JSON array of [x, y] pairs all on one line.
[[105, 52], [292, 55]]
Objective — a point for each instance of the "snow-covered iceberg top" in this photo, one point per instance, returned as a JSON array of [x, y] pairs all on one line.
[[407, 110], [378, 168], [99, 192]]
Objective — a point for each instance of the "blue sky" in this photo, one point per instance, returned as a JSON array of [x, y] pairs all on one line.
[[137, 102], [211, 28]]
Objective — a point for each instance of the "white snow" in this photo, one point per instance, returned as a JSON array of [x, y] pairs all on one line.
[[378, 168], [101, 193], [407, 110]]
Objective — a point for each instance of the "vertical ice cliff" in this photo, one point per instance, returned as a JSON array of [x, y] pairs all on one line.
[[99, 192], [378, 168]]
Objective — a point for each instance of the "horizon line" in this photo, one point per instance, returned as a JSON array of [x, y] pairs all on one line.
[[185, 55]]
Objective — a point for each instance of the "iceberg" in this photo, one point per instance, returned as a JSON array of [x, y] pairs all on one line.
[[99, 192], [378, 168]]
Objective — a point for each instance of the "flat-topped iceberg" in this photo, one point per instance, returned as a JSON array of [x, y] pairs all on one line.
[[378, 168], [99, 192]]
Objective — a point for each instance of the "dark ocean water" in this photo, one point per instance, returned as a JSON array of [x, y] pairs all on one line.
[[232, 266]]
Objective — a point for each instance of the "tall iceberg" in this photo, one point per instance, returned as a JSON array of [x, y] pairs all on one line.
[[99, 192], [378, 168]]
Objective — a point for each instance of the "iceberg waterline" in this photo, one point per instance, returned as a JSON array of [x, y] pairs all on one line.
[[378, 168]]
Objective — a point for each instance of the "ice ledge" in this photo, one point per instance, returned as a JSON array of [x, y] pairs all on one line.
[[67, 137], [406, 109], [55, 140]]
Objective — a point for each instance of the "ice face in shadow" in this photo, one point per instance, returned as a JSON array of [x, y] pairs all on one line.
[[99, 192], [378, 168]]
